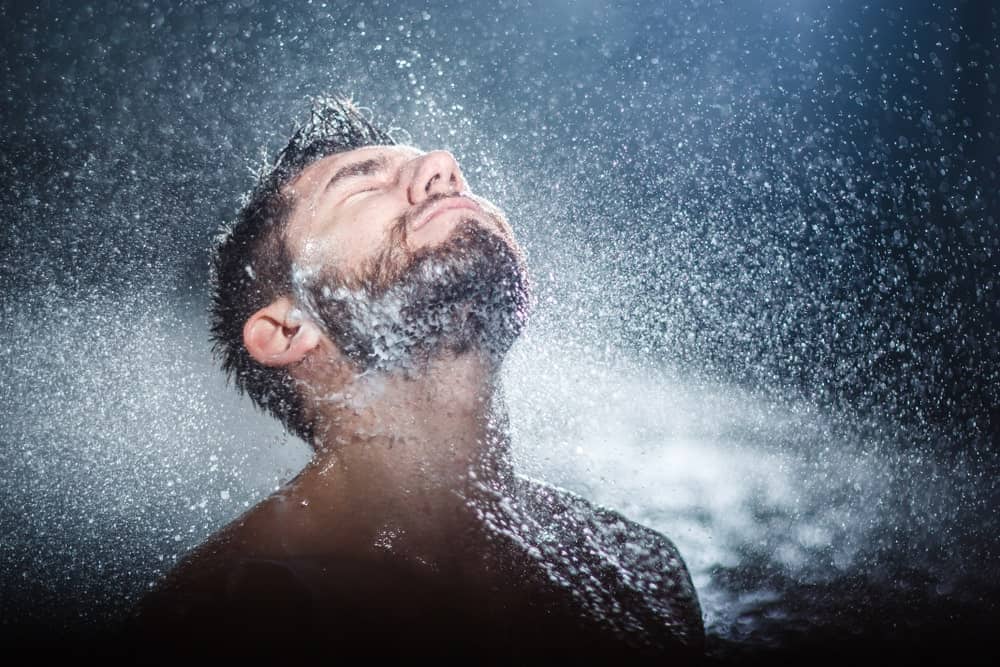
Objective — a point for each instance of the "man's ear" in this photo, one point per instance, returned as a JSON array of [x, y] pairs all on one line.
[[279, 335]]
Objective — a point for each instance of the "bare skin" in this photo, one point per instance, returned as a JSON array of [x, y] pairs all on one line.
[[410, 508], [398, 479]]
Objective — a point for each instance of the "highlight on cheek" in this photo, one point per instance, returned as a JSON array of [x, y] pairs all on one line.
[[310, 253]]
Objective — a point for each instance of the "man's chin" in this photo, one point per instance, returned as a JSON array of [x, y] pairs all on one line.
[[476, 281]]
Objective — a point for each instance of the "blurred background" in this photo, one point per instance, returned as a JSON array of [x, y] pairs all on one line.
[[763, 238]]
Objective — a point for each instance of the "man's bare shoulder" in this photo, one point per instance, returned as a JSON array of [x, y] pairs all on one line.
[[567, 507], [615, 562], [206, 571]]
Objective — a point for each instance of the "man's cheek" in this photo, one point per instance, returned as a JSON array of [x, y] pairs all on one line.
[[311, 254]]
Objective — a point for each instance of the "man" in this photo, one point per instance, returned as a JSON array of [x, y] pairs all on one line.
[[366, 298]]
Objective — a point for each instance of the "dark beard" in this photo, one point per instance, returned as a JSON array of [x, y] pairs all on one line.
[[469, 292]]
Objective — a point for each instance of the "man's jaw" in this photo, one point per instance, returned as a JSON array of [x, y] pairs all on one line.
[[430, 305]]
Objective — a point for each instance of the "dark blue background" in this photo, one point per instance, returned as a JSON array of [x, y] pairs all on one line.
[[799, 197]]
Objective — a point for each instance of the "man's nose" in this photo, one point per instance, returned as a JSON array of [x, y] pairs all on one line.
[[435, 173]]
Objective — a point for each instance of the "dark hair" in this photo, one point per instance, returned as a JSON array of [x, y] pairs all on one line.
[[251, 266]]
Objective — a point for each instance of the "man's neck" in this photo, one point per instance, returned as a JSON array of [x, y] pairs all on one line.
[[403, 459]]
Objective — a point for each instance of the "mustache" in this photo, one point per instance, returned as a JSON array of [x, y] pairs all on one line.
[[415, 213], [405, 221], [399, 229]]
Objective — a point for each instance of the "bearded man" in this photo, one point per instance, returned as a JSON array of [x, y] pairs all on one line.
[[366, 298]]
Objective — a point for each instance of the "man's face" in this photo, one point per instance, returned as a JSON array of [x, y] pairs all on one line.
[[394, 256]]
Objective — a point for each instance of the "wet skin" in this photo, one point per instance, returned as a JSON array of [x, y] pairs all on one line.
[[409, 527], [246, 592]]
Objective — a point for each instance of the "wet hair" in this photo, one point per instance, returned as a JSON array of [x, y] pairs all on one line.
[[251, 265]]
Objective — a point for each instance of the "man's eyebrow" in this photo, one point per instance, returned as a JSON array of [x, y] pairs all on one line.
[[363, 168]]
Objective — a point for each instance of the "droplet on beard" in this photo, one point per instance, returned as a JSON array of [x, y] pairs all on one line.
[[468, 292]]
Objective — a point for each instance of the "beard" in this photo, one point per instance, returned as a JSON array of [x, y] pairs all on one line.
[[469, 292]]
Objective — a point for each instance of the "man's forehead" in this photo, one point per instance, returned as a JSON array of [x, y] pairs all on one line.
[[329, 163]]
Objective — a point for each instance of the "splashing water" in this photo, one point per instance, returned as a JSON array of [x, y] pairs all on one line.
[[782, 517], [772, 508], [765, 247]]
